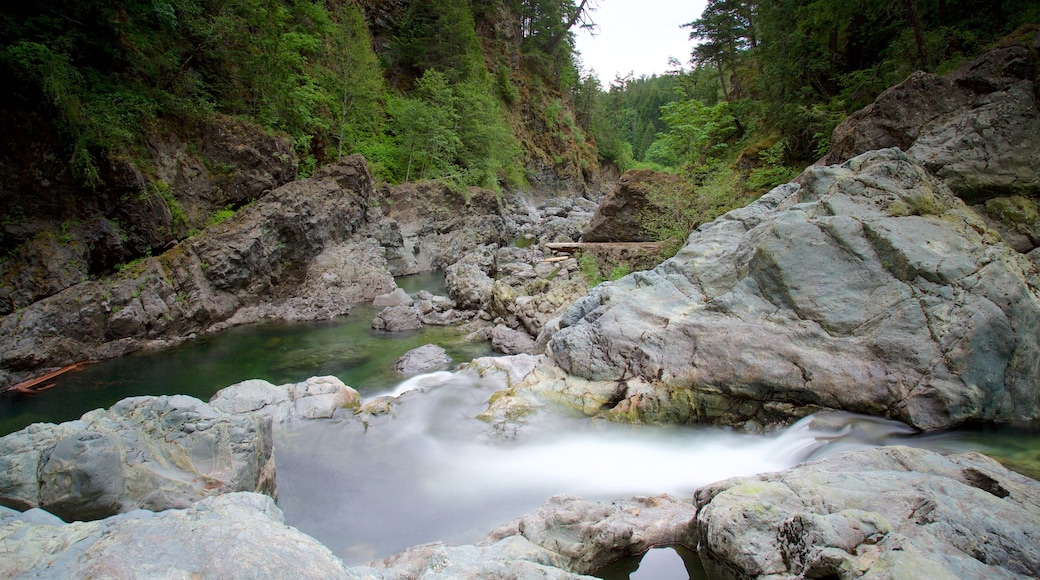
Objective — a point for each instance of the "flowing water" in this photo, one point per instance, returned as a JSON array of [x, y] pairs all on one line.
[[368, 487], [429, 471]]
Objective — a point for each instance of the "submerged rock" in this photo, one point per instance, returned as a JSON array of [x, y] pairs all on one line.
[[154, 453], [870, 513], [869, 288]]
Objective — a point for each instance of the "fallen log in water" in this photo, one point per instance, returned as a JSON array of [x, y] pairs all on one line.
[[35, 385]]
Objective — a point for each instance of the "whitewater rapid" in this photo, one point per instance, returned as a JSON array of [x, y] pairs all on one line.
[[428, 471]]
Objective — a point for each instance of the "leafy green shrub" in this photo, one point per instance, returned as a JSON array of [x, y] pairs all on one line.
[[506, 91], [220, 216]]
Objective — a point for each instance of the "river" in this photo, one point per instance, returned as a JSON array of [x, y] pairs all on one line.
[[428, 471]]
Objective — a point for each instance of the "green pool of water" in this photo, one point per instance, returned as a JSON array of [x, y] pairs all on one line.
[[278, 352]]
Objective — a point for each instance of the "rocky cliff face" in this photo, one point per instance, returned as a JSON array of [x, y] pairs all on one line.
[[291, 254], [57, 232], [978, 129]]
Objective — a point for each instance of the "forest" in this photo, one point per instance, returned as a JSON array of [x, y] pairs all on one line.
[[473, 91]]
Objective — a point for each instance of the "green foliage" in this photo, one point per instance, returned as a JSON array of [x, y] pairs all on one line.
[[699, 135], [220, 216], [108, 70], [677, 209], [176, 209], [773, 172], [456, 132], [506, 91]]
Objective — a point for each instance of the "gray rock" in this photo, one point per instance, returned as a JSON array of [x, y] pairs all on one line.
[[424, 359], [977, 128], [144, 452], [289, 255], [871, 514], [509, 341], [315, 398], [468, 285], [583, 536], [617, 219], [398, 319], [239, 535], [396, 298], [909, 297]]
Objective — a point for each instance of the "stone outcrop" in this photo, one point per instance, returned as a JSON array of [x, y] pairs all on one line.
[[617, 219], [428, 226], [228, 164], [868, 288], [290, 255], [239, 535], [977, 128], [154, 453], [870, 513], [315, 398]]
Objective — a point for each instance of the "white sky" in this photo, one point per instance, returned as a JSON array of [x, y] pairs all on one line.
[[637, 36]]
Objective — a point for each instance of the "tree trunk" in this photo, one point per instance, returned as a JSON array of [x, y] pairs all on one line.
[[722, 80], [913, 17], [548, 47]]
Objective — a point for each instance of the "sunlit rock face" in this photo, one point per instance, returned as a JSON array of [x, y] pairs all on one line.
[[869, 287]]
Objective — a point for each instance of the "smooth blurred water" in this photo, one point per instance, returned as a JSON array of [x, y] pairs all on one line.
[[429, 471]]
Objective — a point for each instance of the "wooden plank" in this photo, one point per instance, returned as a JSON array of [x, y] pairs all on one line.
[[34, 386]]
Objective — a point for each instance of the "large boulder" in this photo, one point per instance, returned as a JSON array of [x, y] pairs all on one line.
[[289, 255], [154, 453], [315, 398], [868, 288], [398, 319], [424, 359], [977, 128], [872, 514], [468, 285], [618, 217], [239, 535], [509, 341]]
